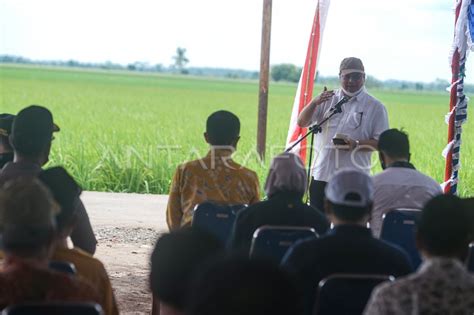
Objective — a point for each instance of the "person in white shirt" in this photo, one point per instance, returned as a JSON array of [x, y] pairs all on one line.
[[400, 185], [442, 284], [359, 125]]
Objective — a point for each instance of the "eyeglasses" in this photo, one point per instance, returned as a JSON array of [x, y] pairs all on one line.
[[355, 76]]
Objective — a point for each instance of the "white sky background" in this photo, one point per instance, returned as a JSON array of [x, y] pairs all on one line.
[[399, 39]]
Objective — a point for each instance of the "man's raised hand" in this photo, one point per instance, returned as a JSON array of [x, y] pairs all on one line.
[[323, 97]]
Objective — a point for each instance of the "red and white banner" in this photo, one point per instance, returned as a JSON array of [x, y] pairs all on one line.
[[304, 93], [457, 116]]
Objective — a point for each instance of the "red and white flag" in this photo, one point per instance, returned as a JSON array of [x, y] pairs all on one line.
[[304, 93]]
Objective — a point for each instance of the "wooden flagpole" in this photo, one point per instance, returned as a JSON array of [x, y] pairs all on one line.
[[264, 78]]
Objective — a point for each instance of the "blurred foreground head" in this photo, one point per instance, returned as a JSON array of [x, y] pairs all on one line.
[[444, 228], [222, 129], [287, 174], [27, 218], [236, 286], [174, 261]]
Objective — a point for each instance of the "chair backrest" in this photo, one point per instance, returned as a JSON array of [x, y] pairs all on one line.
[[273, 241], [54, 308], [470, 260], [346, 294], [398, 228], [218, 219], [63, 266]]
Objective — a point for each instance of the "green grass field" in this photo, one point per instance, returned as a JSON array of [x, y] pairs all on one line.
[[126, 132]]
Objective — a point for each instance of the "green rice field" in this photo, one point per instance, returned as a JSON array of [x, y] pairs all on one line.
[[127, 132]]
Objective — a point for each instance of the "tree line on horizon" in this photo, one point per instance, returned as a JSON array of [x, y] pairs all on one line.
[[279, 73]]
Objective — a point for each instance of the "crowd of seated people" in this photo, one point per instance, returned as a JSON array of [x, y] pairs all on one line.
[[194, 273]]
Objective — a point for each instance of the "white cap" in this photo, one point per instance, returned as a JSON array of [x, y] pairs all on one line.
[[350, 187]]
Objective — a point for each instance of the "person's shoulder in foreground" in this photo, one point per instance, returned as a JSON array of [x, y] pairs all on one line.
[[66, 193], [442, 285], [237, 285], [83, 261], [27, 221], [21, 283], [215, 178]]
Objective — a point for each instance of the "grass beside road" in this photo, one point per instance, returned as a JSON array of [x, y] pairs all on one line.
[[127, 132]]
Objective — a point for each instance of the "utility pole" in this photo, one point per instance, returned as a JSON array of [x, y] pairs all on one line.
[[264, 78]]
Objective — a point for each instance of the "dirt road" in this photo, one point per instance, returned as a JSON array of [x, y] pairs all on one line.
[[127, 226]]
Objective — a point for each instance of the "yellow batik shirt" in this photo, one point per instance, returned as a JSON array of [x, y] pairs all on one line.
[[215, 178], [93, 271]]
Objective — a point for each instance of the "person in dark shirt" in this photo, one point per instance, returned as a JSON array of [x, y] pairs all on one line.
[[174, 262], [6, 150], [242, 286], [31, 137], [349, 247], [285, 187]]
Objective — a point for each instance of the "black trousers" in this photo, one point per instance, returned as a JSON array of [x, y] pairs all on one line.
[[316, 194]]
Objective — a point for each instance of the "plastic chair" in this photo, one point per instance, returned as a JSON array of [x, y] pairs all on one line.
[[398, 228], [346, 294], [216, 218], [54, 308], [273, 241], [63, 266]]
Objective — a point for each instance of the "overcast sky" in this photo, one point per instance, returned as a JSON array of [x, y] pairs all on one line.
[[402, 39]]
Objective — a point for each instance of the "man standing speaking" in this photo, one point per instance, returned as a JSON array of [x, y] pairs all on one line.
[[349, 137]]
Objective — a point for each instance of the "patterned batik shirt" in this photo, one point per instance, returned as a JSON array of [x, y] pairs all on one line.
[[440, 286], [215, 178], [22, 282]]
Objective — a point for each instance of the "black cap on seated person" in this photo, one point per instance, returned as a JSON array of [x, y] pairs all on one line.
[[66, 192], [32, 130], [222, 128], [351, 193]]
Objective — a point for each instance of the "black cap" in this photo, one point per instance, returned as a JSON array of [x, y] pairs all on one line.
[[6, 121], [65, 190], [32, 129]]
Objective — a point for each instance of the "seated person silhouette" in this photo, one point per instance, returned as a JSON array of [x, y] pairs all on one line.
[[285, 186], [215, 178], [27, 225]]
